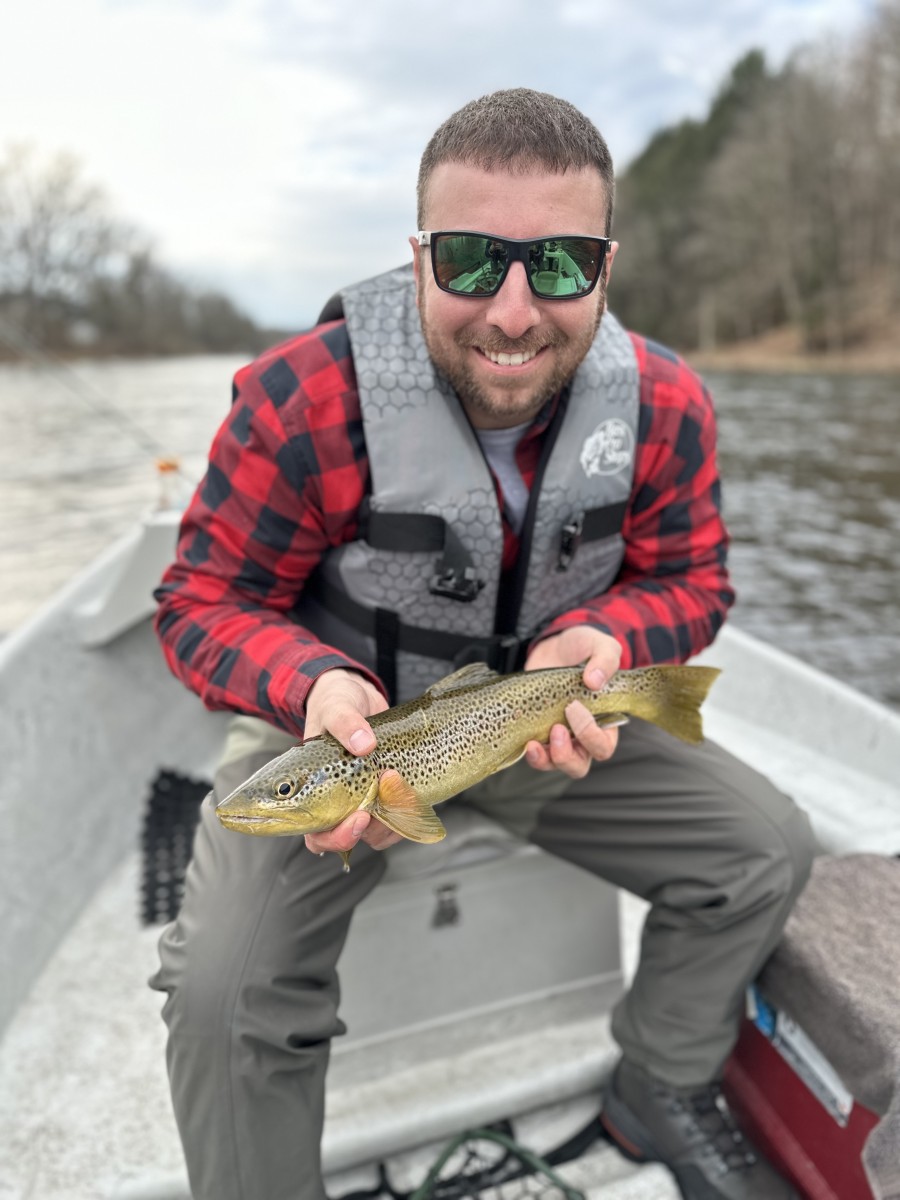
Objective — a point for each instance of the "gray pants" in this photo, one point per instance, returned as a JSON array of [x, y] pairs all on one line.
[[250, 964]]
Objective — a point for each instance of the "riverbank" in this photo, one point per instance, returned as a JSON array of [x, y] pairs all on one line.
[[780, 351], [808, 460]]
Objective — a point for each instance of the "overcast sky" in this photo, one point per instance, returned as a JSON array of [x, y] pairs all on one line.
[[270, 147]]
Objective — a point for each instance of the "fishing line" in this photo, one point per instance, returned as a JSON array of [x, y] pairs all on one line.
[[19, 341]]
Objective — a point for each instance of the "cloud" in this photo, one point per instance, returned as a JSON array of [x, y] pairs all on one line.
[[272, 146]]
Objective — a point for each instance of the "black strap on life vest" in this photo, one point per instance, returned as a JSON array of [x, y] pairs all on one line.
[[502, 653], [455, 577], [590, 526]]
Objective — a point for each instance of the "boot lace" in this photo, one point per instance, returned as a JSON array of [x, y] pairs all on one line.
[[717, 1126]]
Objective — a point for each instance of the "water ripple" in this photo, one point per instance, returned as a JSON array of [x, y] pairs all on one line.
[[811, 494]]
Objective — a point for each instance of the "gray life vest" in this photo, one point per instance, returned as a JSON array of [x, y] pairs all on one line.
[[419, 591]]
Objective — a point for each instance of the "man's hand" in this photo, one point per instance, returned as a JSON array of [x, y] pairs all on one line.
[[338, 703], [564, 752]]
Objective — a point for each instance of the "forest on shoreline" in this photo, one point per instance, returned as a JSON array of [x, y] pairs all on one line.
[[76, 279], [765, 235], [770, 230]]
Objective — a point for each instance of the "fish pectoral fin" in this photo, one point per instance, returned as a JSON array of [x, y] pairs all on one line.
[[476, 672], [611, 720], [513, 758], [401, 808]]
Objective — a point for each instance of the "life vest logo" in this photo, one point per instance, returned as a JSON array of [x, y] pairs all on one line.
[[609, 449]]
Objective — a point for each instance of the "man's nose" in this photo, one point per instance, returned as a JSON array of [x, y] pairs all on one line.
[[513, 310]]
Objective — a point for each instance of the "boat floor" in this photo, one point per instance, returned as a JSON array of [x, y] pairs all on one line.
[[84, 1106], [85, 1112]]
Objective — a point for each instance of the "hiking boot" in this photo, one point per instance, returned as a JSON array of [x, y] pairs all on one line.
[[692, 1132]]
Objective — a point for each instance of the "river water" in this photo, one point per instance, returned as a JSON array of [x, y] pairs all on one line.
[[809, 463]]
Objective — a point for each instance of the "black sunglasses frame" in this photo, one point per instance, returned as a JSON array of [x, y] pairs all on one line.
[[516, 251]]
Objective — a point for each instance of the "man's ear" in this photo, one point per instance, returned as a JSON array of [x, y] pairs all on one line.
[[416, 260], [610, 255]]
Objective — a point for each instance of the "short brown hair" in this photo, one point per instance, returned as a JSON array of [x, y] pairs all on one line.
[[518, 129]]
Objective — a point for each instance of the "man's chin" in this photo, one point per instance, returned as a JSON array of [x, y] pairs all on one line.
[[512, 406]]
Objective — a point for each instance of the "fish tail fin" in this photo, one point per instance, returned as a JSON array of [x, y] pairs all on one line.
[[675, 705]]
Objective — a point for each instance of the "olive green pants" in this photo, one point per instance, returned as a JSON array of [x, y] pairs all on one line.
[[250, 964]]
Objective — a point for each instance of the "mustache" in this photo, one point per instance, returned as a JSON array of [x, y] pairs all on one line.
[[497, 344]]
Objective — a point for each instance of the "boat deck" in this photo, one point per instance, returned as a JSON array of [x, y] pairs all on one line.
[[84, 1106], [85, 1111]]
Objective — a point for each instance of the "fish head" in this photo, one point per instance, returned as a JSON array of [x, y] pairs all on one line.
[[307, 789]]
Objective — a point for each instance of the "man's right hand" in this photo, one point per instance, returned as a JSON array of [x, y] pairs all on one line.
[[339, 703]]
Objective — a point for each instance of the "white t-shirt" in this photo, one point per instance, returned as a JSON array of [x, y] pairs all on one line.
[[499, 446]]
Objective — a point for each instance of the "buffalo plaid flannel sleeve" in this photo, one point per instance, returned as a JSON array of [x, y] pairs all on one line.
[[673, 590], [286, 475]]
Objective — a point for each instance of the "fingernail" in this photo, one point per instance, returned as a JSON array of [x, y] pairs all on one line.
[[360, 741], [358, 828], [595, 679]]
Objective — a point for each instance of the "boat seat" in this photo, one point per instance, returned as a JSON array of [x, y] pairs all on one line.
[[419, 972], [471, 838], [478, 937], [836, 974]]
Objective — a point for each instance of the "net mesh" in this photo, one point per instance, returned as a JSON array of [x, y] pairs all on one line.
[[488, 1163], [167, 838]]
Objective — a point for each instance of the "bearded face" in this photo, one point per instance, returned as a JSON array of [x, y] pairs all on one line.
[[505, 355]]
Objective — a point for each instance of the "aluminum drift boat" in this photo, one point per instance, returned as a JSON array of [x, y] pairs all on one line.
[[92, 716]]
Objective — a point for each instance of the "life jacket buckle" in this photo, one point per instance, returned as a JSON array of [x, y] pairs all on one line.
[[502, 653], [456, 585], [569, 541], [505, 654]]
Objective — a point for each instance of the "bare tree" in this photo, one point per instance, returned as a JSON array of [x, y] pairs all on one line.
[[67, 262], [801, 204], [783, 206], [877, 112], [57, 237]]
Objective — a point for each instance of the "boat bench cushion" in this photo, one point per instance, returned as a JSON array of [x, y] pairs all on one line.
[[836, 972]]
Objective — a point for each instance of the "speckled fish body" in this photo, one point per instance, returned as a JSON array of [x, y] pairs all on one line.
[[464, 728]]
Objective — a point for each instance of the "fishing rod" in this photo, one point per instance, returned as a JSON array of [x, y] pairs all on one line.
[[167, 466], [20, 342]]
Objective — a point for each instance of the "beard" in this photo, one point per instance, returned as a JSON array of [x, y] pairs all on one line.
[[508, 401]]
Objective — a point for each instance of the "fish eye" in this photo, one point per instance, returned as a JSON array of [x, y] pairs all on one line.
[[284, 788]]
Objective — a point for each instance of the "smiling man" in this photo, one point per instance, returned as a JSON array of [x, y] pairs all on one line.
[[467, 460], [510, 353]]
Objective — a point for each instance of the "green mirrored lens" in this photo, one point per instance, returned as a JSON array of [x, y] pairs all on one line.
[[475, 264], [472, 265], [563, 266]]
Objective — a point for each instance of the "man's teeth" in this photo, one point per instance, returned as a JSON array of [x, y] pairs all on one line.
[[510, 360]]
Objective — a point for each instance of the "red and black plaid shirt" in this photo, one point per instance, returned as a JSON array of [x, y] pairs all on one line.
[[289, 469]]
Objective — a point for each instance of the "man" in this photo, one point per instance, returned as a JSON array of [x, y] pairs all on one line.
[[472, 460]]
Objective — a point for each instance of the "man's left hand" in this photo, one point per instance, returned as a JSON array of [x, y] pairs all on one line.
[[572, 749]]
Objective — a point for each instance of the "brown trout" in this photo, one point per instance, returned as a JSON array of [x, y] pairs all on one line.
[[464, 728]]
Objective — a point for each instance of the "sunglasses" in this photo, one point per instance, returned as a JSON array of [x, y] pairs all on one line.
[[475, 264]]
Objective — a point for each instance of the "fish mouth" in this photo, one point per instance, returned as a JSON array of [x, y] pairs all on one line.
[[261, 825]]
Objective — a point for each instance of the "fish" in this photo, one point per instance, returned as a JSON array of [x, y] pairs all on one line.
[[464, 728]]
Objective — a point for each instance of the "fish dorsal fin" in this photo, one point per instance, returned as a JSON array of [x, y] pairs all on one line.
[[476, 672], [401, 808]]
